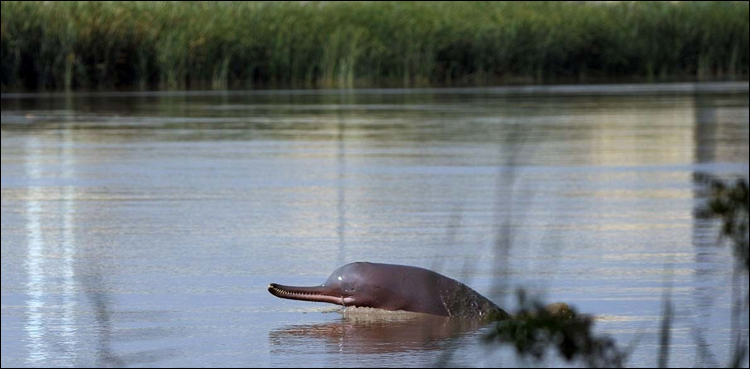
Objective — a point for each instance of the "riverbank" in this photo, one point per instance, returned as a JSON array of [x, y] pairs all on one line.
[[140, 45]]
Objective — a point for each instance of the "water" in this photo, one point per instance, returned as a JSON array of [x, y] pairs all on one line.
[[141, 229]]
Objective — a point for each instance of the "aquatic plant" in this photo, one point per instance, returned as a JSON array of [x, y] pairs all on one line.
[[728, 201], [536, 328]]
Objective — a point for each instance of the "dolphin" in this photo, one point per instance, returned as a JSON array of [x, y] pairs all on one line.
[[396, 287]]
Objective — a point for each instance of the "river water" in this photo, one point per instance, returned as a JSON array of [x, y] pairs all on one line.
[[142, 229]]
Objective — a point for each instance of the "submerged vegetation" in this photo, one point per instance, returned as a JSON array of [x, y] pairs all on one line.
[[102, 45]]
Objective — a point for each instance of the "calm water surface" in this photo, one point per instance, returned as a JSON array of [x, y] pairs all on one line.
[[141, 229]]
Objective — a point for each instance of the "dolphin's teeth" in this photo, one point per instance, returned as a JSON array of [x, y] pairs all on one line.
[[284, 292]]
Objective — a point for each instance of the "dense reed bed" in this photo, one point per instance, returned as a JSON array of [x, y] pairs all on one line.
[[106, 45]]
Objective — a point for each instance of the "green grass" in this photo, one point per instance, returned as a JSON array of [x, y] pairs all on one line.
[[105, 45]]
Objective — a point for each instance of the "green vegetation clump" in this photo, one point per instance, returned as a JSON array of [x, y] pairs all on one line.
[[104, 45], [535, 329], [729, 201]]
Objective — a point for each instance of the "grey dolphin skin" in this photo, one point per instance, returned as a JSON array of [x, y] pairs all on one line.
[[395, 287]]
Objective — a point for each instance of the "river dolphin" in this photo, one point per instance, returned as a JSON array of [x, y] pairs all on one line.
[[396, 287]]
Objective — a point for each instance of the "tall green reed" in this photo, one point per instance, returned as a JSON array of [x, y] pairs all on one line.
[[104, 45]]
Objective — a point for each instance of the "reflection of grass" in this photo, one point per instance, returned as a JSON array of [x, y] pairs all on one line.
[[219, 45]]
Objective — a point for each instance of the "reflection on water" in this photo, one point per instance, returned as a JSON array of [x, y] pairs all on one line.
[[57, 274], [35, 326], [372, 333], [341, 188], [52, 288], [143, 228], [704, 234], [358, 338]]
